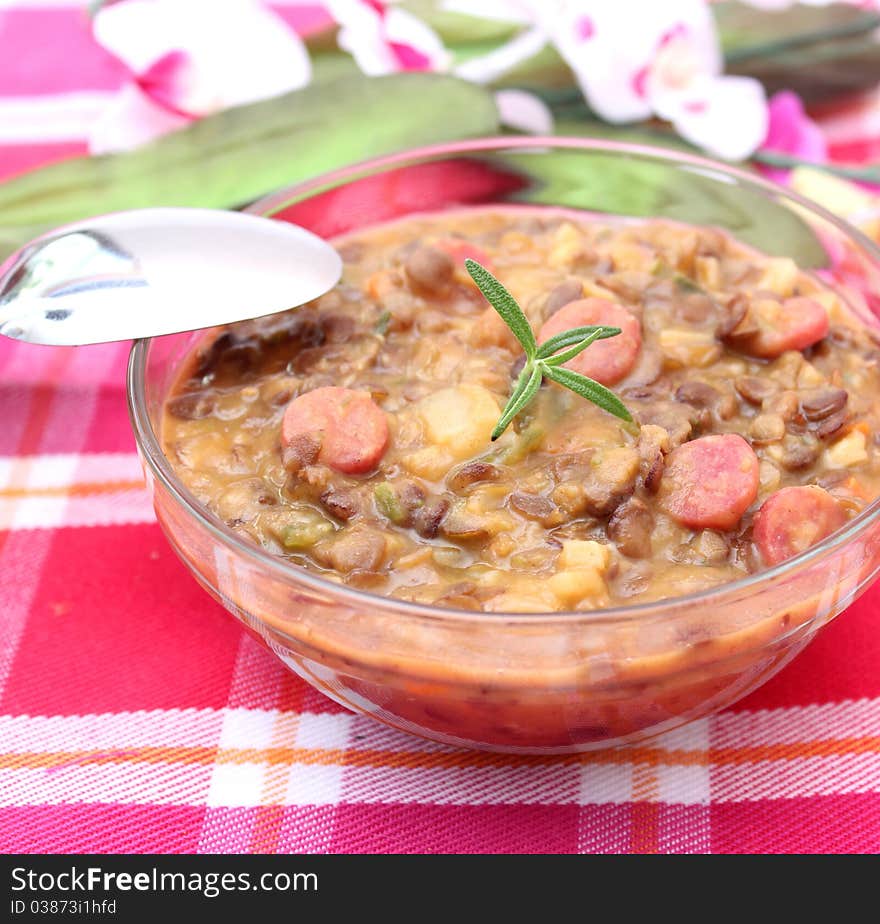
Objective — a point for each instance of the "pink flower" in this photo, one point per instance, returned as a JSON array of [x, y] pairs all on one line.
[[792, 131], [189, 58], [384, 39], [632, 60]]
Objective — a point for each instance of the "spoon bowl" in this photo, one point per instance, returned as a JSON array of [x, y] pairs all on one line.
[[149, 272]]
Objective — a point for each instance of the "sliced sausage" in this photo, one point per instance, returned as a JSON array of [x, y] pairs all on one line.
[[793, 519], [775, 327], [710, 482], [459, 250], [606, 361], [351, 428]]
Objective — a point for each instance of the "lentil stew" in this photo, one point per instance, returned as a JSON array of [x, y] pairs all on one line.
[[351, 436]]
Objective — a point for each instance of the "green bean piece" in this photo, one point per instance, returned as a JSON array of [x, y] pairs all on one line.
[[304, 532], [388, 503]]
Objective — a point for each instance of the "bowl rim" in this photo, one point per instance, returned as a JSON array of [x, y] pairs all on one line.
[[154, 458]]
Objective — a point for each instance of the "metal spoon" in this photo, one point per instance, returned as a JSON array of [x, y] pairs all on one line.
[[149, 272]]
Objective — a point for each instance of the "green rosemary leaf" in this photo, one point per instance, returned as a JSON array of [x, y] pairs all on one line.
[[568, 337], [686, 284], [559, 358], [505, 304], [587, 388], [381, 326], [526, 389]]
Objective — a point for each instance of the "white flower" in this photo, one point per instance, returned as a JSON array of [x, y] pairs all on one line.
[[383, 38], [634, 59], [189, 58]]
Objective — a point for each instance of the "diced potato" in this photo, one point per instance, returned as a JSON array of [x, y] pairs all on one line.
[[809, 376], [515, 241], [617, 466], [431, 462], [847, 451], [569, 246], [685, 347], [566, 255], [414, 559], [512, 601], [829, 301], [779, 276], [460, 419], [573, 586], [205, 451], [584, 553], [486, 497], [708, 271], [502, 545], [769, 476], [630, 255]]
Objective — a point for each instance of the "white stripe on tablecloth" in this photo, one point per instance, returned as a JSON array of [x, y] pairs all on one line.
[[50, 118], [852, 719], [99, 504], [108, 508], [65, 469], [103, 776], [110, 731], [839, 774], [128, 783]]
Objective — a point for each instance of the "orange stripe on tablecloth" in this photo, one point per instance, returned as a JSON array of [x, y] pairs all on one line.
[[284, 756], [270, 812], [644, 813], [81, 489], [41, 397], [38, 411]]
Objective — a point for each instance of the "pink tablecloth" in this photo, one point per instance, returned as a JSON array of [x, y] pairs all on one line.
[[136, 716]]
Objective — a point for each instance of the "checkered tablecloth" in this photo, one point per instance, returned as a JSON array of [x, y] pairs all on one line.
[[136, 716]]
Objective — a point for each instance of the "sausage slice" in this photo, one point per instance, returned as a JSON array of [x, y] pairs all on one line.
[[793, 519], [793, 324], [606, 361], [459, 250], [351, 428], [710, 482]]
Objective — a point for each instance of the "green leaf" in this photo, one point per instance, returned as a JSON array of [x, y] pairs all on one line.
[[818, 52], [461, 28], [505, 304], [231, 158], [747, 31], [587, 388], [526, 389], [576, 334], [563, 357]]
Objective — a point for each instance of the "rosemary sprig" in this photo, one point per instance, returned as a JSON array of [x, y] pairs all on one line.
[[544, 361]]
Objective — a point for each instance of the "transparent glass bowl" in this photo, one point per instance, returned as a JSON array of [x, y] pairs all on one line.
[[543, 684]]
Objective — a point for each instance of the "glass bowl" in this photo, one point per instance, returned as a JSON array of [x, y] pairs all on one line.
[[526, 683]]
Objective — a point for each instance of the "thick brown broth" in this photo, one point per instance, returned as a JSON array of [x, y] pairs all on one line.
[[569, 509]]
